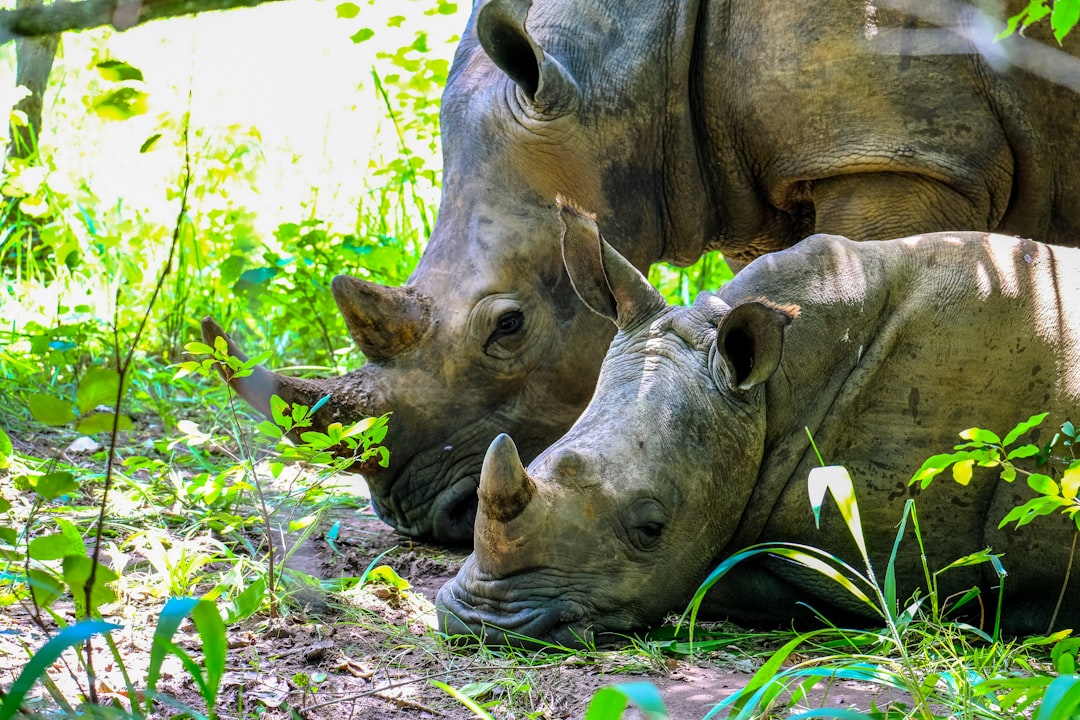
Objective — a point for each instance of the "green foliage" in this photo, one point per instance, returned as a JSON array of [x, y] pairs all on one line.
[[984, 448], [680, 285], [1063, 15]]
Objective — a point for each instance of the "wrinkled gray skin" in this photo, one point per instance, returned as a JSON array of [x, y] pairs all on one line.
[[694, 447], [686, 127]]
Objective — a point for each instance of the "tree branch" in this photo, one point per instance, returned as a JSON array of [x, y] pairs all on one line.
[[62, 16]]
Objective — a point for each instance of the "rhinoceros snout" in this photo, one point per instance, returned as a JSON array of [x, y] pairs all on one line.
[[550, 625]]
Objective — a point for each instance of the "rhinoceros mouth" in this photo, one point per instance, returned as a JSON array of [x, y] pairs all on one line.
[[437, 506], [553, 625]]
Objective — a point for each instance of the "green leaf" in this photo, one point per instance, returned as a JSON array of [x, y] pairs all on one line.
[[121, 104], [6, 450], [980, 435], [1043, 484], [51, 411], [77, 573], [935, 464], [52, 485], [149, 143], [277, 411], [1064, 17], [1070, 481], [1036, 507], [1024, 451], [962, 470], [385, 574], [44, 586], [102, 422], [610, 702], [118, 71], [53, 547], [348, 10], [248, 602], [211, 630], [1022, 428], [465, 700], [41, 661], [362, 35], [1061, 701], [836, 479]]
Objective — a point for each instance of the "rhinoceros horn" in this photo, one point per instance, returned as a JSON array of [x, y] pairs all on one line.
[[503, 523], [257, 387], [505, 488], [604, 280], [383, 321], [500, 27]]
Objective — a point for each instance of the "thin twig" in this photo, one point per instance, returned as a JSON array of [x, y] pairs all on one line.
[[122, 368], [1064, 584]]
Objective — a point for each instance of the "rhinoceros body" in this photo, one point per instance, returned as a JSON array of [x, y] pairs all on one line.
[[687, 127], [695, 444]]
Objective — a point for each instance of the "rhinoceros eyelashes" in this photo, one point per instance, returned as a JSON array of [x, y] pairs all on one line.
[[509, 323]]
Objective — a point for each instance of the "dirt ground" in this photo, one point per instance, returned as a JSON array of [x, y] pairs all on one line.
[[371, 653]]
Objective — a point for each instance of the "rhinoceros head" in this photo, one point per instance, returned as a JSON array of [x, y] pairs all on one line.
[[457, 357], [617, 522], [488, 336]]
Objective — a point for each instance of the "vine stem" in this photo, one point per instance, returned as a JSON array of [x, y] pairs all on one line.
[[122, 367], [1064, 584]]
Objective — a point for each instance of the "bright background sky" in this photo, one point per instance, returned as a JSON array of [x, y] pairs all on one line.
[[288, 69]]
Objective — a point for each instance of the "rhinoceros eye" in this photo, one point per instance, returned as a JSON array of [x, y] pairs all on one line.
[[648, 535], [508, 323], [645, 521]]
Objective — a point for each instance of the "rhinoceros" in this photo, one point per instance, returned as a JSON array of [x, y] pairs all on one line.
[[687, 127], [695, 444]]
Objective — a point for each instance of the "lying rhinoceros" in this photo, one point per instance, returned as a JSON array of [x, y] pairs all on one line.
[[687, 127], [695, 445]]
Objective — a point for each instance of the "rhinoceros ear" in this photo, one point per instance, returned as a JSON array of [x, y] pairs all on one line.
[[383, 321], [750, 343], [546, 84], [604, 280]]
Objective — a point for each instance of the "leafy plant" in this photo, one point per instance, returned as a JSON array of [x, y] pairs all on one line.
[[984, 448], [1063, 15], [333, 451]]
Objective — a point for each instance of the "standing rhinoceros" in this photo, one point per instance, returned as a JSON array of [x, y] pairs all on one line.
[[687, 127], [695, 445]]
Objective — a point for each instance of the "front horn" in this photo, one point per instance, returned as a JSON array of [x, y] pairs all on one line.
[[505, 488], [384, 321]]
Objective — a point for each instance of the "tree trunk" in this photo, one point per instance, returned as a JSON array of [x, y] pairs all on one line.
[[37, 20], [33, 63]]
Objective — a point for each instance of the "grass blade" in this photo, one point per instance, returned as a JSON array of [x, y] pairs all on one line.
[[464, 699], [48, 654]]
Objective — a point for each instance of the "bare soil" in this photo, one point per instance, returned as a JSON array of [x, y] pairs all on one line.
[[371, 652]]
